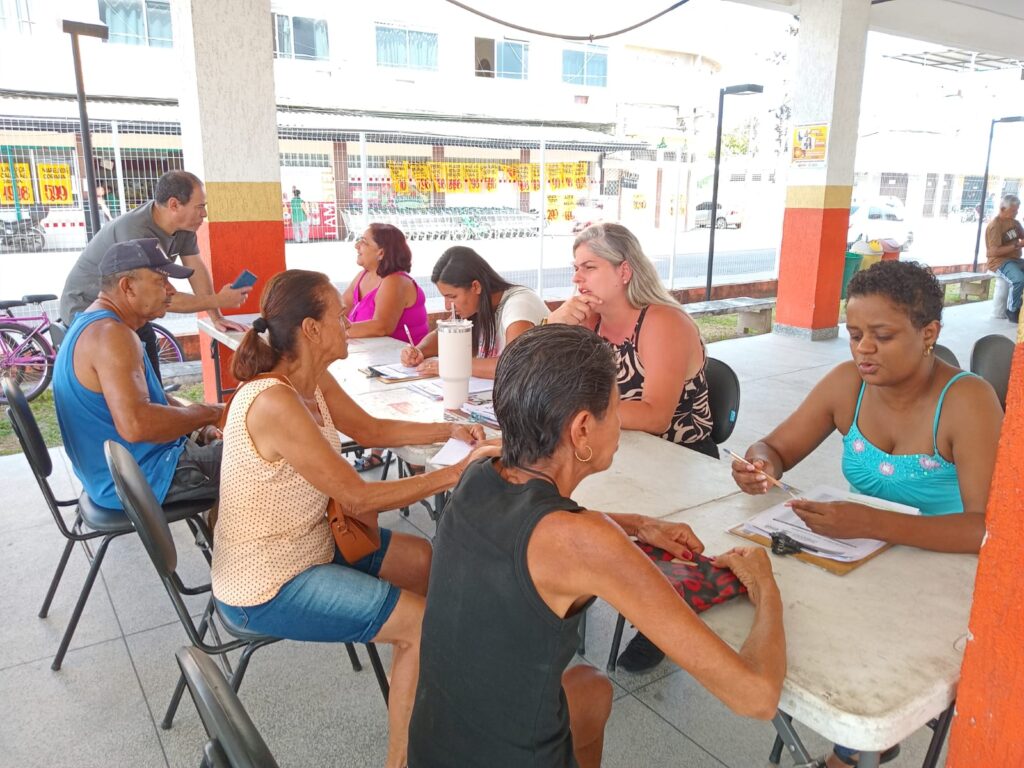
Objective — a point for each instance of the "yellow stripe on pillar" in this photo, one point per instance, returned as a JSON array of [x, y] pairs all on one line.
[[817, 196], [243, 201]]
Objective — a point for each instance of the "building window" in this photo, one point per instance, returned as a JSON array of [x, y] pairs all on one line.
[[16, 16], [501, 58], [406, 48], [138, 22], [585, 66], [297, 37]]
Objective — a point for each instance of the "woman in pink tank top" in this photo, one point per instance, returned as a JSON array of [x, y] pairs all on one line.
[[383, 299]]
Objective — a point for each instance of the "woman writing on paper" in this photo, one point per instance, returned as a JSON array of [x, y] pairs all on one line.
[[915, 430], [500, 311], [383, 299], [518, 562], [276, 569]]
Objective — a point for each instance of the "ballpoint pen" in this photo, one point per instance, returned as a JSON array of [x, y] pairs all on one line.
[[408, 335], [774, 481]]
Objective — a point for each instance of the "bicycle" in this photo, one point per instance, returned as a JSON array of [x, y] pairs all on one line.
[[26, 356]]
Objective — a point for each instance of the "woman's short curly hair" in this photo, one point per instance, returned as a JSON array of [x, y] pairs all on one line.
[[906, 284]]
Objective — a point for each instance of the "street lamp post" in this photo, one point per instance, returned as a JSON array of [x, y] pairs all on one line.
[[984, 181], [733, 90], [75, 29]]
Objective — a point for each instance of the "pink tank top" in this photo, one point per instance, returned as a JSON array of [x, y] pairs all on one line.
[[415, 316]]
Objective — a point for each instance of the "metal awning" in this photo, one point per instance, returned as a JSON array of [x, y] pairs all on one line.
[[59, 113], [956, 60]]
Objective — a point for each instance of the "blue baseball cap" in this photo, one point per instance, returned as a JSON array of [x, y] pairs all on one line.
[[141, 254]]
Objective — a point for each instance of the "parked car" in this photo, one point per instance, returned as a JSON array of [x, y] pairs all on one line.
[[879, 219], [726, 217]]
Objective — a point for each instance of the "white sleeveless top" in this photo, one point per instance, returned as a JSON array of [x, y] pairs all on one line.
[[271, 524]]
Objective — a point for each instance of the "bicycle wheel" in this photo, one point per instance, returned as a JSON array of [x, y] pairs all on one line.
[[26, 358], [170, 349]]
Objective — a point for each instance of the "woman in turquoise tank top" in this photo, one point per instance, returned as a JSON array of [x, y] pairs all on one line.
[[916, 430]]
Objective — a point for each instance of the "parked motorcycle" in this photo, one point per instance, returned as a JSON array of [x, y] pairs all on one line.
[[24, 235]]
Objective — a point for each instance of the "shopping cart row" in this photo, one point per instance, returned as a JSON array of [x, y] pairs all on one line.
[[456, 223]]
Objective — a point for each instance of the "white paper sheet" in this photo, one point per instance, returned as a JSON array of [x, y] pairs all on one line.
[[451, 452], [782, 518], [396, 371], [432, 388]]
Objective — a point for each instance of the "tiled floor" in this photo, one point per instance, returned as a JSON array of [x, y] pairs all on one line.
[[104, 706]]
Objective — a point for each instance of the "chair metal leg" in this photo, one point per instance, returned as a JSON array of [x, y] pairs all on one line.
[[378, 670], [940, 728], [353, 657], [776, 754], [620, 624], [56, 578], [179, 689], [94, 569], [243, 663]]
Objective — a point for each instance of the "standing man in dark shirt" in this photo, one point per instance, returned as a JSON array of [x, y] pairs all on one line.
[[1004, 238], [173, 215]]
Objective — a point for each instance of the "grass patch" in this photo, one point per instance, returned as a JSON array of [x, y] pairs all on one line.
[[46, 417]]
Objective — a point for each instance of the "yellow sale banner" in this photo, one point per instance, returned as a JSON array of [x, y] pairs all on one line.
[[23, 178], [54, 183]]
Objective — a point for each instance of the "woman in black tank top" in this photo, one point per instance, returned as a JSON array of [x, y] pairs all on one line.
[[659, 352], [508, 584]]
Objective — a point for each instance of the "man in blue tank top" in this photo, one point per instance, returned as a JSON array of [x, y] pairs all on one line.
[[105, 388]]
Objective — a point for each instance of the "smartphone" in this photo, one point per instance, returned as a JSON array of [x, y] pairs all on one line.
[[245, 280]]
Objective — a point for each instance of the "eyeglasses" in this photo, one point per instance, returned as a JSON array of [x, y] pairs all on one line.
[[364, 241]]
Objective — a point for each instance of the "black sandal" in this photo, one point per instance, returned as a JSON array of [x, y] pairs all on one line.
[[366, 463]]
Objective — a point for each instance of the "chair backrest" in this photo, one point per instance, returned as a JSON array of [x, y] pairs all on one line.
[[142, 508], [724, 396], [945, 354], [991, 359], [27, 430], [228, 725]]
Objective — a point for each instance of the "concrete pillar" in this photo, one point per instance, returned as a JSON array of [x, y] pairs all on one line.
[[989, 710], [829, 75], [437, 197], [229, 139]]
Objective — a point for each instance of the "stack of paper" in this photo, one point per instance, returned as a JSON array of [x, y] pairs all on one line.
[[432, 389], [396, 371], [783, 519], [481, 412]]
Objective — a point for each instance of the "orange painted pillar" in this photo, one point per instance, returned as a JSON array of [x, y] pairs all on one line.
[[229, 139], [826, 106], [990, 700]]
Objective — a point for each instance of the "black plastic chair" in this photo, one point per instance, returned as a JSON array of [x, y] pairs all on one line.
[[945, 354], [90, 521], [991, 358], [724, 398], [234, 740], [142, 509]]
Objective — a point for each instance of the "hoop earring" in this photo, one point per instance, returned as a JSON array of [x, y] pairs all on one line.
[[589, 455]]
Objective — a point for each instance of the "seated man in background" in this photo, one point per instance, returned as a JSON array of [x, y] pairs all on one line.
[[105, 388]]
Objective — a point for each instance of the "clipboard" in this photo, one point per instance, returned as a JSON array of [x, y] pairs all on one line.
[[832, 566], [371, 374]]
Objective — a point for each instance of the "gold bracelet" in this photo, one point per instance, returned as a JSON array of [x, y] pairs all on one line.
[[544, 321]]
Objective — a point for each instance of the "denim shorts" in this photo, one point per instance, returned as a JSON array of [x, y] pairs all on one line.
[[330, 603]]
